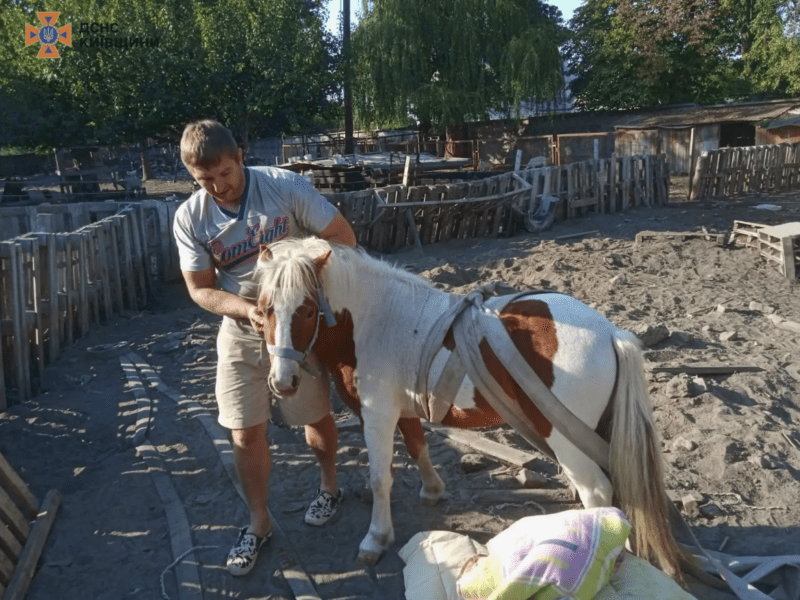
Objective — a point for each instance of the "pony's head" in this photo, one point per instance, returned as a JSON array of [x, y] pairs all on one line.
[[290, 296]]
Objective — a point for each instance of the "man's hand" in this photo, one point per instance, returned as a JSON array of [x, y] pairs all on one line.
[[257, 319]]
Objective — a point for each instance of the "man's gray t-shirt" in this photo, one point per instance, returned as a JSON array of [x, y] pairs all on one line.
[[276, 204]]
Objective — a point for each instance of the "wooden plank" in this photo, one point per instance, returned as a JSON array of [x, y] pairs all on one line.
[[8, 250], [483, 445], [50, 293], [10, 544], [23, 574], [82, 283], [627, 162], [126, 250], [571, 174], [17, 488], [6, 571], [32, 304], [680, 235], [519, 496], [140, 265], [13, 517], [69, 327], [3, 397], [649, 188], [704, 369], [612, 184]]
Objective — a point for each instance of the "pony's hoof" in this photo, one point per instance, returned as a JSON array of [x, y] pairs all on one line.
[[368, 558], [429, 500]]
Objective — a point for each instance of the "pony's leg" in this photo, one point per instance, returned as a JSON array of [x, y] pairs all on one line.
[[592, 485], [379, 436], [414, 437]]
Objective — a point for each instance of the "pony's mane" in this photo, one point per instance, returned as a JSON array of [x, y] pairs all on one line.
[[291, 274]]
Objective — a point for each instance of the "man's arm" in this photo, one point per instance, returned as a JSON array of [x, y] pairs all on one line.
[[339, 231], [203, 289]]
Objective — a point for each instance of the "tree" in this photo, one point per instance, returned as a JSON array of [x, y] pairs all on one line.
[[267, 59], [445, 63], [632, 53], [254, 64]]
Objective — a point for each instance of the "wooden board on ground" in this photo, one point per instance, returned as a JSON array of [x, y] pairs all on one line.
[[20, 553], [480, 444], [680, 235]]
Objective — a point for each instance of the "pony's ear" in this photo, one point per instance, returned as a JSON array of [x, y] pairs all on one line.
[[264, 252], [320, 261]]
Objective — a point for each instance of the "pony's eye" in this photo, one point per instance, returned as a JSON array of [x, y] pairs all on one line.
[[311, 312]]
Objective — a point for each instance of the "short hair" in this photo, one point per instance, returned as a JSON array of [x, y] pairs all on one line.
[[204, 143]]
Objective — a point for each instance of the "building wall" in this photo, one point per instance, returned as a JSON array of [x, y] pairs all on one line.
[[781, 135], [672, 142]]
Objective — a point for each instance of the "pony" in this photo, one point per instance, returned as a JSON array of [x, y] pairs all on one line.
[[369, 322]]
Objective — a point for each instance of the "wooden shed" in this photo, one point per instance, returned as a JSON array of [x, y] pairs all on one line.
[[685, 132]]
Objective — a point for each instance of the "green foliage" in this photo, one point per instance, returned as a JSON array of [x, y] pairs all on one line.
[[257, 65], [449, 62], [632, 53]]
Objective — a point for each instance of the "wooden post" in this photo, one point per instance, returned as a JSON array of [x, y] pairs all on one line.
[[407, 170], [691, 162], [612, 183], [82, 283], [518, 161], [697, 177]]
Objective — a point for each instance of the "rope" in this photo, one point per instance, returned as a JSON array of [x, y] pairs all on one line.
[[175, 562]]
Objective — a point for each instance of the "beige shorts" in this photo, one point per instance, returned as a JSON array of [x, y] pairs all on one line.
[[243, 398]]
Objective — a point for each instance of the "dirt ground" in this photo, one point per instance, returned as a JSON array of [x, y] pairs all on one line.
[[731, 439]]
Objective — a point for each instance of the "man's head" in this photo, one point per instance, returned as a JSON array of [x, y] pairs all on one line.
[[213, 158]]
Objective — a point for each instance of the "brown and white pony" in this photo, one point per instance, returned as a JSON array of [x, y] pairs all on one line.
[[378, 320]]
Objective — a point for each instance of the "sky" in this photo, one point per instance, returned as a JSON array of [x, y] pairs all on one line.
[[335, 7]]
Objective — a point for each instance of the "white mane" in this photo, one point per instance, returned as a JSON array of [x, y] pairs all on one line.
[[291, 275]]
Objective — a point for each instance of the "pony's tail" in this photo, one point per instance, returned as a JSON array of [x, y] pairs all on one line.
[[637, 471]]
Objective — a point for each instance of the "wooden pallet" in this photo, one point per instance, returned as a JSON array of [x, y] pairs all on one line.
[[780, 245], [21, 543], [745, 233]]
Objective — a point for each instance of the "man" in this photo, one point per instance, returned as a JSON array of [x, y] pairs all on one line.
[[218, 231]]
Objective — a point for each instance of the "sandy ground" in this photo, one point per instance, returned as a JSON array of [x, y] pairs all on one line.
[[729, 438]]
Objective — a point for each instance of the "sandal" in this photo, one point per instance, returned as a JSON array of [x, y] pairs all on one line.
[[323, 507], [243, 555]]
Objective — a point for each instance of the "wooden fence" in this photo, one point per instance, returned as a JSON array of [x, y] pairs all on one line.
[[69, 267], [389, 218], [56, 283], [752, 169]]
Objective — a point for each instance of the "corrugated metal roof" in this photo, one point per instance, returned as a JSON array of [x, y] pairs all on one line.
[[789, 121], [754, 112]]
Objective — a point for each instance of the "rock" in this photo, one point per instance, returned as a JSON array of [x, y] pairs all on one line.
[[735, 451], [698, 386], [682, 337], [690, 505], [531, 479], [761, 307], [721, 308], [711, 510], [728, 336], [618, 280], [472, 463], [681, 443], [652, 334], [678, 387], [767, 461]]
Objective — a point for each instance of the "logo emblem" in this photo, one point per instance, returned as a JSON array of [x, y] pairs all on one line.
[[48, 36]]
